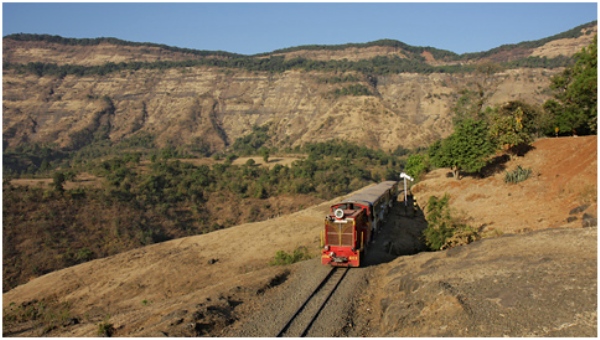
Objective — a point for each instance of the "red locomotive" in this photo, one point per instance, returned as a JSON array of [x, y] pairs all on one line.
[[352, 223]]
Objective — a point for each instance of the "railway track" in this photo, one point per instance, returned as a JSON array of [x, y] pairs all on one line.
[[301, 322]]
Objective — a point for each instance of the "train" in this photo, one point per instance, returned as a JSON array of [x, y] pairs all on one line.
[[352, 223]]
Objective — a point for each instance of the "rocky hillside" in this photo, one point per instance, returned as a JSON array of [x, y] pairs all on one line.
[[538, 279], [116, 90]]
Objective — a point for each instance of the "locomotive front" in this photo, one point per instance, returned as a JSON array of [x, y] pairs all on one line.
[[352, 224], [345, 235]]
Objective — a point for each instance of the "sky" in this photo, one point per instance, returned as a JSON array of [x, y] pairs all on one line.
[[259, 27]]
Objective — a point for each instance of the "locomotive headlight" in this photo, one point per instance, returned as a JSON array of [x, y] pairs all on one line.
[[332, 254], [326, 248]]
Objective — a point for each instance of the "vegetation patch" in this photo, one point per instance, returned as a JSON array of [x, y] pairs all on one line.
[[416, 165], [351, 90], [380, 65], [105, 329], [339, 79], [445, 231], [283, 258], [517, 175], [249, 144], [45, 314], [146, 195]]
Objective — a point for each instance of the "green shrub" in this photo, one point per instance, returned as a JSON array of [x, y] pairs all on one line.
[[435, 237], [252, 142], [58, 179], [283, 258], [84, 254], [517, 175], [352, 90], [46, 315], [230, 158], [105, 329], [444, 231], [416, 165], [438, 222]]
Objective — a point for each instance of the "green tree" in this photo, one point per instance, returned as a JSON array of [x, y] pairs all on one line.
[[574, 106], [58, 179], [468, 106], [259, 191], [514, 125], [264, 152], [444, 230], [439, 222], [45, 166], [468, 148], [416, 165]]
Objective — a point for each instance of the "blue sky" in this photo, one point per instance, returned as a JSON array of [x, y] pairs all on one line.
[[251, 28]]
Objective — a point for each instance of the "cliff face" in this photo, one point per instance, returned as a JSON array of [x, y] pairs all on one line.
[[185, 106], [213, 106]]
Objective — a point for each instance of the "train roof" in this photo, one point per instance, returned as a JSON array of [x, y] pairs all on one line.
[[371, 194]]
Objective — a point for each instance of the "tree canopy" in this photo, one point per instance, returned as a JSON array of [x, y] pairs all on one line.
[[413, 61], [515, 124], [468, 148], [575, 104]]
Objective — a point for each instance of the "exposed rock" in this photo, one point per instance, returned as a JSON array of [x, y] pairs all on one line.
[[214, 106], [579, 209], [588, 221], [538, 284]]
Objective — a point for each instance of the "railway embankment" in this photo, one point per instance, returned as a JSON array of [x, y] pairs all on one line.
[[535, 272], [542, 283]]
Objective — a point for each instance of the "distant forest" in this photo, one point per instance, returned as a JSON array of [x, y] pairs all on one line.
[[267, 62], [114, 41], [380, 65], [442, 54]]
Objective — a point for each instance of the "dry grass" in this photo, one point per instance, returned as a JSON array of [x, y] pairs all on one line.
[[564, 176], [178, 274]]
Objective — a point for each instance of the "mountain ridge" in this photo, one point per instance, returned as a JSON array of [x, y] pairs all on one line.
[[57, 94], [574, 32]]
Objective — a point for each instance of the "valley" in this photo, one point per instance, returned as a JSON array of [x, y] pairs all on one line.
[[147, 189]]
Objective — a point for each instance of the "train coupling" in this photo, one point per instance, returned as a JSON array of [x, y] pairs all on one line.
[[337, 259]]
